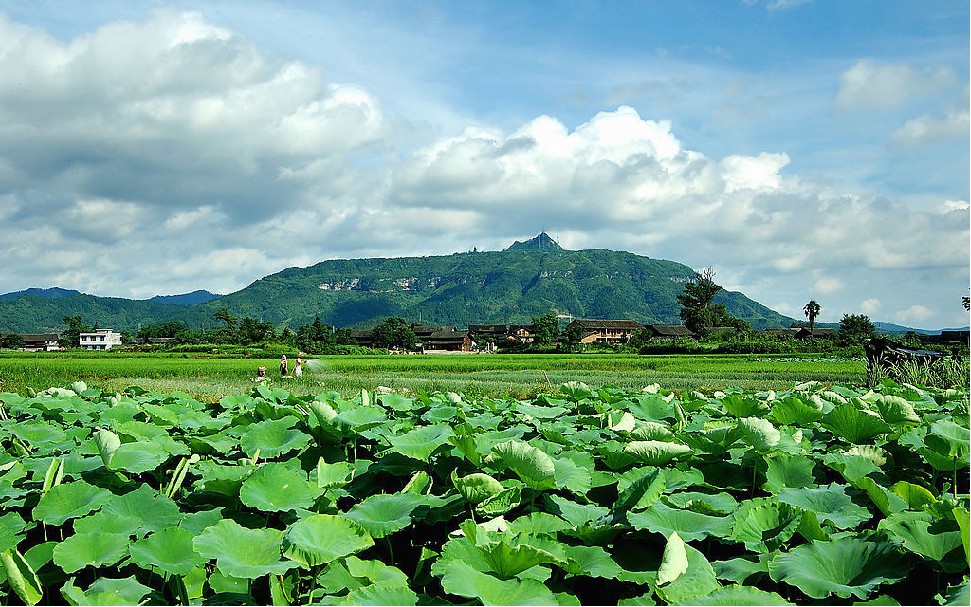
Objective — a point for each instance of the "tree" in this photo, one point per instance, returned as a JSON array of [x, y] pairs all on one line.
[[856, 329], [546, 329], [71, 337], [229, 332], [811, 310], [572, 335], [394, 333], [698, 312], [11, 341]]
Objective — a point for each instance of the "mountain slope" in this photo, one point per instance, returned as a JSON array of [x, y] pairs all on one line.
[[527, 279]]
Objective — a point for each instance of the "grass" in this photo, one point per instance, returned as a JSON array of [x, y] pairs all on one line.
[[521, 376]]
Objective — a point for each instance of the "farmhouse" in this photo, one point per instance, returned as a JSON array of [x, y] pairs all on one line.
[[40, 342], [449, 340], [820, 333], [605, 331], [667, 331], [99, 339]]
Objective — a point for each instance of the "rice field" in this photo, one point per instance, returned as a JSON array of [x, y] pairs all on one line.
[[209, 378]]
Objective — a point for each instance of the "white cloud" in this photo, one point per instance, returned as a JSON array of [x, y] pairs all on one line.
[[870, 306], [928, 129], [869, 84], [915, 314]]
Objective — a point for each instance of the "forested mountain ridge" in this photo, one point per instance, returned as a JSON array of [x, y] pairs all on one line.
[[528, 279]]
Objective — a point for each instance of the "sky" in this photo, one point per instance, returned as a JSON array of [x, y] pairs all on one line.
[[804, 150]]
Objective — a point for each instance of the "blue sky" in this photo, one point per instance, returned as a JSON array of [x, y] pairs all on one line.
[[805, 150]]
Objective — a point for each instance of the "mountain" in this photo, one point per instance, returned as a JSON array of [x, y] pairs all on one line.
[[195, 297], [52, 293], [525, 280]]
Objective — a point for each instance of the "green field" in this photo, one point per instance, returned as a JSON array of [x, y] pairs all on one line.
[[209, 378]]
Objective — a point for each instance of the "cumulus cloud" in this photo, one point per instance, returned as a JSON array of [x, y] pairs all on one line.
[[870, 306], [915, 314], [929, 129], [868, 84]]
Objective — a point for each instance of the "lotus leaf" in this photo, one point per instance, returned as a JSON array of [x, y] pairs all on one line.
[[948, 445], [655, 453], [787, 470], [421, 442], [915, 496], [689, 525], [107, 591], [334, 475], [740, 595], [796, 411], [383, 514], [70, 500], [577, 514], [572, 472], [959, 595], [109, 522], [697, 580], [460, 579], [854, 425], [276, 487], [477, 486], [829, 503], [272, 438], [714, 504], [40, 435], [845, 567], [739, 570], [21, 577], [156, 511], [643, 492], [759, 432], [896, 410], [533, 466], [169, 550], [743, 405], [138, 457], [241, 552], [94, 549], [912, 530], [765, 524], [107, 442], [322, 538], [652, 431], [674, 561], [375, 594]]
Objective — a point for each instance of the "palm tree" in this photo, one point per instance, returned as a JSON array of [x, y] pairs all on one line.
[[811, 310]]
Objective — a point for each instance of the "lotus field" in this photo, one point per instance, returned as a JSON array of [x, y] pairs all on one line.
[[585, 496]]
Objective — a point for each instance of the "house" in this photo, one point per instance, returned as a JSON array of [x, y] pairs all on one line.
[[951, 338], [449, 340], [40, 342], [363, 337], [99, 339], [782, 333], [667, 331], [605, 331]]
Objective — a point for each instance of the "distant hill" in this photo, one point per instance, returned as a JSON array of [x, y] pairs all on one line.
[[52, 293], [195, 297], [527, 279]]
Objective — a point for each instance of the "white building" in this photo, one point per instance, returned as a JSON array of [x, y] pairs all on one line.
[[100, 339]]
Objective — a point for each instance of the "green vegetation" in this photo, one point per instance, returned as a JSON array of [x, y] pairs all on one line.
[[208, 376], [802, 496]]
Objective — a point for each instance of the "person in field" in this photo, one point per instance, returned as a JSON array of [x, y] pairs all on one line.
[[283, 366], [298, 368]]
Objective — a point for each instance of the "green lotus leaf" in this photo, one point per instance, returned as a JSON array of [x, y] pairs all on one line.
[[576, 390], [577, 514], [896, 410], [460, 579], [138, 457], [885, 500], [854, 425], [109, 522], [759, 432], [377, 594], [651, 407], [95, 549], [241, 552], [572, 472], [421, 443], [620, 421], [330, 476], [276, 487], [788, 470], [532, 465], [793, 410], [912, 531], [146, 432], [959, 595], [540, 411], [915, 496], [359, 419], [875, 454], [477, 486], [674, 561], [948, 445], [696, 581], [846, 567], [591, 561], [322, 538], [736, 594], [655, 453], [851, 466], [21, 577], [739, 569], [689, 525], [69, 500], [743, 405], [383, 514], [439, 415], [643, 492], [169, 550], [107, 591], [652, 431], [712, 504], [156, 511], [272, 438], [765, 524], [40, 435], [829, 503], [220, 478]]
